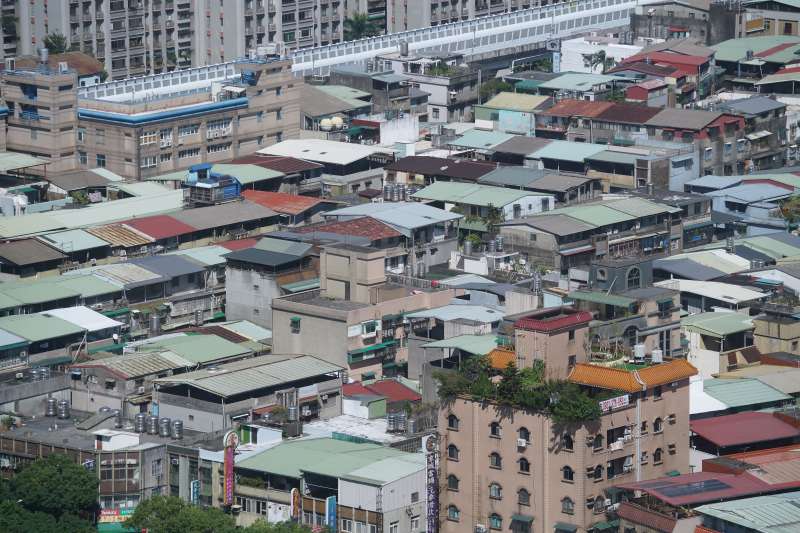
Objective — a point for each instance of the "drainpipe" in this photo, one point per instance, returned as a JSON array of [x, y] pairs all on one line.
[[638, 430]]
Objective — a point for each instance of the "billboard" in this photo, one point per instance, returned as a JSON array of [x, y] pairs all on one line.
[[117, 514], [330, 512], [614, 403], [430, 446], [230, 441], [296, 505]]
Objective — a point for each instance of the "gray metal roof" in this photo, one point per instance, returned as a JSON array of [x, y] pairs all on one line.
[[512, 176], [691, 119], [558, 183], [253, 374], [262, 257], [473, 313], [521, 145], [221, 215], [143, 364], [688, 269], [400, 215], [169, 266], [754, 105]]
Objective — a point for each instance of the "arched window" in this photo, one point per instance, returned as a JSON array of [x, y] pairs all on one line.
[[657, 455], [567, 506], [630, 335], [567, 442], [495, 430], [452, 482], [658, 425], [452, 452], [452, 422], [495, 461], [453, 513], [569, 473], [599, 504], [523, 497], [598, 472], [598, 442], [634, 278], [524, 434], [495, 491], [524, 465], [495, 521]]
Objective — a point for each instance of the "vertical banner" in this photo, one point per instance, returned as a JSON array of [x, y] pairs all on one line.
[[195, 492], [430, 446], [330, 512], [231, 441], [296, 504]]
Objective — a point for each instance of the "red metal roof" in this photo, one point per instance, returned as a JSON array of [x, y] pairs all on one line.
[[701, 487], [669, 58], [628, 113], [281, 202], [639, 515], [577, 108], [358, 227], [774, 50], [738, 429], [393, 391], [160, 226], [356, 389], [553, 319], [239, 244], [287, 165]]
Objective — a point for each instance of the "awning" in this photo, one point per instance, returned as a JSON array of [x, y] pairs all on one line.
[[521, 518], [372, 347], [578, 250], [568, 528], [605, 526], [233, 89], [52, 361], [758, 135], [673, 473], [299, 286], [599, 297], [116, 312]]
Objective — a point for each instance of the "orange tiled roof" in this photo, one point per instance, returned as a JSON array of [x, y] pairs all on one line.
[[674, 370], [631, 380], [499, 358], [604, 377]]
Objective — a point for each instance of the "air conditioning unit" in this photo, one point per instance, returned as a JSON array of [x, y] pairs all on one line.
[[607, 502], [522, 443], [63, 67], [480, 528], [305, 411], [140, 390]]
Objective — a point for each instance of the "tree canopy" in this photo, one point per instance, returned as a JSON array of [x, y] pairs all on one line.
[[56, 43], [359, 26]]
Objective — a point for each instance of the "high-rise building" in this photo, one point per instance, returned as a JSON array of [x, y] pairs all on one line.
[[138, 37], [404, 15]]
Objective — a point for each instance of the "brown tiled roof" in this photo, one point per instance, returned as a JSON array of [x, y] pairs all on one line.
[[631, 380], [279, 163], [359, 227], [639, 515], [281, 202], [628, 113], [83, 64], [644, 68], [500, 358], [577, 108], [441, 166]]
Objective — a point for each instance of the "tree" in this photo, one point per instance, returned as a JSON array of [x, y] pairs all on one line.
[[598, 59], [56, 43], [57, 486], [494, 86], [169, 514], [359, 26], [261, 526]]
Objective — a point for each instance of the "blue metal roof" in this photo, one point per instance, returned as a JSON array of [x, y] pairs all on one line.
[[160, 116]]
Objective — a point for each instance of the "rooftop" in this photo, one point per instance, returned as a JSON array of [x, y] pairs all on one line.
[[474, 344], [322, 151], [465, 312], [403, 216], [742, 392], [481, 139], [280, 202], [553, 319], [577, 81], [439, 166], [366, 227], [26, 252], [717, 324], [777, 513], [470, 194], [693, 119], [737, 429], [38, 327], [283, 164], [199, 349], [160, 226], [516, 101], [631, 380], [724, 292]]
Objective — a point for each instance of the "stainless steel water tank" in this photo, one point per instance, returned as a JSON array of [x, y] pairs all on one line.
[[51, 408], [63, 409], [164, 427], [140, 423], [152, 425], [177, 429]]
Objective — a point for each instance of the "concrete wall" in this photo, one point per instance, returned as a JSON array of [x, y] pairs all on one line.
[[248, 295]]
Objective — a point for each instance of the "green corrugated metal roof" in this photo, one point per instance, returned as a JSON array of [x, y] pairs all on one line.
[[198, 348], [74, 240], [178, 175], [717, 324], [474, 344], [15, 161], [481, 140], [140, 188], [567, 151], [36, 293], [247, 174], [473, 224], [596, 214], [7, 302], [205, 255], [602, 298], [36, 328], [516, 101], [736, 49], [248, 329], [299, 286], [528, 85], [577, 81], [741, 392], [770, 246], [325, 456], [777, 513], [344, 92], [470, 194], [88, 286]]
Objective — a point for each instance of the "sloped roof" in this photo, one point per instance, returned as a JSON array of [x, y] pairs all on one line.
[[577, 108], [631, 381], [159, 226], [283, 164], [120, 235], [280, 202], [737, 429], [28, 252], [717, 324], [393, 391], [639, 515], [83, 64], [628, 113], [742, 392], [516, 101], [366, 227], [694, 119], [440, 166], [501, 357]]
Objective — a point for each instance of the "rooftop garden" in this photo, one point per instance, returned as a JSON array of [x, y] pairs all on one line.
[[565, 402]]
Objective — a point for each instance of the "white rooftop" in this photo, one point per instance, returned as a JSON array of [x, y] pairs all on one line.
[[323, 151], [84, 318], [725, 292], [370, 429]]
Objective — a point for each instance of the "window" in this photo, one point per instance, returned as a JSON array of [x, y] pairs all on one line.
[[571, 335], [658, 425], [657, 456], [572, 360], [414, 497], [495, 430], [567, 506], [101, 160], [495, 522], [597, 443], [81, 133], [495, 491], [524, 434], [524, 465], [191, 129], [452, 482], [452, 422], [294, 324], [643, 429], [191, 152], [495, 461], [100, 136], [435, 112], [347, 525], [217, 148], [148, 161], [165, 157], [598, 472], [414, 523], [83, 159], [568, 474], [523, 497], [657, 392], [634, 278], [453, 513], [452, 452], [394, 527]]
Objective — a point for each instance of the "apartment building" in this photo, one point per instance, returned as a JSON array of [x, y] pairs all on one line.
[[507, 467], [404, 15], [155, 124], [138, 37]]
